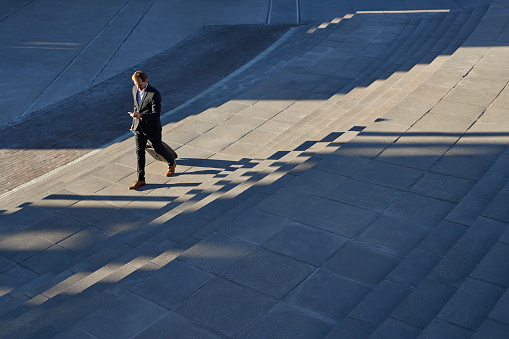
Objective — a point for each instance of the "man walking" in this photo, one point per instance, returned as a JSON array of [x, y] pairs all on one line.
[[147, 126]]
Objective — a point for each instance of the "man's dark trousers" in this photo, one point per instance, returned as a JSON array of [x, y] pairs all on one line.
[[141, 143]]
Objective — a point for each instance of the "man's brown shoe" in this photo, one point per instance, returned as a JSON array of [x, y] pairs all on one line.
[[137, 185], [171, 169]]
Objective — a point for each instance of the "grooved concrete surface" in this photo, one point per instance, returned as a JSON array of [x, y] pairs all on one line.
[[345, 177]]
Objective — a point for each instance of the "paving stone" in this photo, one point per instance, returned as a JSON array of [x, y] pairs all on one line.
[[471, 304], [467, 211], [26, 216], [88, 211], [362, 262], [14, 277], [443, 237], [493, 268], [216, 253], [392, 328], [390, 175], [327, 295], [304, 243], [424, 303], [488, 187], [84, 239], [268, 272], [49, 258], [254, 226], [126, 316], [415, 267], [365, 195], [441, 328], [424, 210], [56, 228], [58, 201], [379, 304], [482, 235], [317, 182], [74, 332], [5, 263], [394, 235], [286, 322], [497, 209], [286, 202], [118, 221], [341, 164], [87, 185], [173, 283], [225, 307], [350, 328], [22, 245], [410, 156], [336, 217], [462, 167], [491, 329], [442, 187], [176, 326]]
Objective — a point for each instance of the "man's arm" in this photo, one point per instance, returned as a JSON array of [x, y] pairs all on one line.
[[155, 103]]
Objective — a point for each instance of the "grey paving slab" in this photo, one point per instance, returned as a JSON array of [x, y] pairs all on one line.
[[481, 236], [304, 243], [385, 297], [491, 329], [254, 226], [468, 210], [497, 208], [336, 217], [173, 283], [470, 305], [492, 268], [327, 295], [177, 326], [286, 202], [226, 307], [350, 328], [499, 312], [217, 252], [438, 328], [394, 235], [365, 195], [362, 262], [128, 315], [442, 187], [49, 258], [415, 267], [5, 264], [26, 216], [56, 228], [268, 272], [317, 182], [392, 328], [425, 210], [23, 245], [74, 332], [423, 303], [82, 240], [14, 277], [89, 211], [382, 173], [443, 237], [277, 324]]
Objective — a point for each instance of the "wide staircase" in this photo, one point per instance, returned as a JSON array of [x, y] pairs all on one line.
[[346, 183]]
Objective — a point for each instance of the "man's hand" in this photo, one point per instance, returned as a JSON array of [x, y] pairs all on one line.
[[136, 115]]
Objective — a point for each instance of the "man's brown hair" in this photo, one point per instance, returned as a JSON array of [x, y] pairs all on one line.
[[140, 75]]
